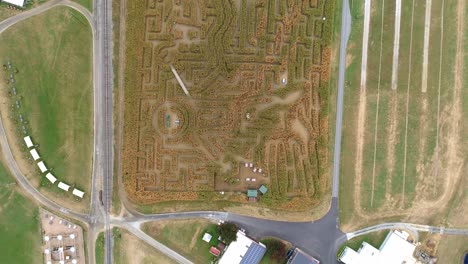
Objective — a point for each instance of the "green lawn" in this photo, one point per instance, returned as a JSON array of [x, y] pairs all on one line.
[[19, 224], [185, 237], [53, 53], [85, 3], [99, 249], [375, 239]]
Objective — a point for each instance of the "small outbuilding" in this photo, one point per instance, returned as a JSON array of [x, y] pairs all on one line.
[[214, 251], [42, 166], [64, 186], [34, 154], [19, 3], [78, 193], [207, 237], [252, 195], [28, 141], [51, 178], [263, 189]]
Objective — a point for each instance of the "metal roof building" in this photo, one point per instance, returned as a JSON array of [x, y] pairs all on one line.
[[252, 193], [51, 178], [28, 141], [42, 166], [34, 154], [64, 186], [243, 251], [263, 189], [78, 193], [19, 3], [300, 257], [394, 250]]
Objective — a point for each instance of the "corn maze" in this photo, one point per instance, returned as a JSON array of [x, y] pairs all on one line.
[[257, 76]]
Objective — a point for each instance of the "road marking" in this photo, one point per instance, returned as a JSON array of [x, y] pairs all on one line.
[[377, 110], [365, 43], [427, 31], [396, 45], [407, 109]]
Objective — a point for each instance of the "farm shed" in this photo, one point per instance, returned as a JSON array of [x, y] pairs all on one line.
[[51, 178], [28, 141], [34, 154], [19, 3], [64, 186], [78, 193], [263, 189], [42, 166]]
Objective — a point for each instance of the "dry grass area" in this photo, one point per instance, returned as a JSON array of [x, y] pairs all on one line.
[[128, 249], [258, 79], [408, 143]]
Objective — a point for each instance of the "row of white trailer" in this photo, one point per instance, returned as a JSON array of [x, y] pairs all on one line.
[[43, 169]]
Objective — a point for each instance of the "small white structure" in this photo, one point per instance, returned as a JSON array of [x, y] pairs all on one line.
[[78, 193], [51, 178], [251, 165], [246, 165], [64, 186], [395, 249], [247, 179], [255, 170], [34, 154], [254, 179], [72, 236], [28, 141], [243, 250], [19, 3], [42, 166], [259, 170], [47, 251], [59, 237], [207, 237], [46, 238]]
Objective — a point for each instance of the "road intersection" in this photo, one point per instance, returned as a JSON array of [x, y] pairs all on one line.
[[321, 238]]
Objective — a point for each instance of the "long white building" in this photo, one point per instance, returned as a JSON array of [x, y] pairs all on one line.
[[19, 3]]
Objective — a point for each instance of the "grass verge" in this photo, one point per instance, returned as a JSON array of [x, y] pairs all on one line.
[[99, 250], [19, 224], [185, 237]]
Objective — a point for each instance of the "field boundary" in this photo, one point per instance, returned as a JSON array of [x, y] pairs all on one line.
[[396, 44]]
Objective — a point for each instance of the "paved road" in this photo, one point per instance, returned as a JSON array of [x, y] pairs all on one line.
[[408, 226], [345, 31]]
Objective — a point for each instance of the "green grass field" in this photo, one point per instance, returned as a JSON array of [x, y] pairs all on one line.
[[53, 53], [85, 3], [19, 224], [401, 166], [99, 249], [185, 237]]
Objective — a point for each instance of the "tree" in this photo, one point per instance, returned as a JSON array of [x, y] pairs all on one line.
[[228, 232], [276, 248]]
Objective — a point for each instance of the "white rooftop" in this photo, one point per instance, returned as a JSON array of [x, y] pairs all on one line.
[[394, 250], [78, 193], [64, 186], [15, 2], [236, 251], [207, 237], [28, 141], [51, 178], [34, 154], [42, 166]]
